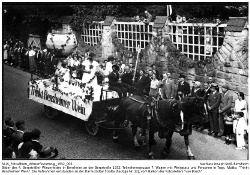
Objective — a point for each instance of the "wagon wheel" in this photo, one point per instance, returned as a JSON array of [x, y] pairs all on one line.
[[92, 127], [50, 112]]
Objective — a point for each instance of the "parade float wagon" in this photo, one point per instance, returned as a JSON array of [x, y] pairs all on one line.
[[93, 104]]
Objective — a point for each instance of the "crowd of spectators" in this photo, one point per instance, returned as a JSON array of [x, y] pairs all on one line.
[[33, 59], [17, 143]]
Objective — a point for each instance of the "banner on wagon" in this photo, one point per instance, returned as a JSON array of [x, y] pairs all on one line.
[[68, 101]]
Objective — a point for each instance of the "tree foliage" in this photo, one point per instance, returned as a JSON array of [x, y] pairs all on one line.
[[23, 19], [38, 18], [87, 13]]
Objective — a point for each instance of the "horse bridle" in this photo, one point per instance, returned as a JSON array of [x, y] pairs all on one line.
[[191, 120]]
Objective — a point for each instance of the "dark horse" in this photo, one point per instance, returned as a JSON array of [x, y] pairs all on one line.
[[177, 116], [136, 110], [165, 116]]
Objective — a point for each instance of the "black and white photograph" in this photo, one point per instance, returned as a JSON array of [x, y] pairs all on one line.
[[125, 81]]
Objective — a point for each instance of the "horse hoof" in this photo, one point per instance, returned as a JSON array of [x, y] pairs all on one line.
[[164, 154], [116, 140], [191, 157], [151, 157], [138, 148]]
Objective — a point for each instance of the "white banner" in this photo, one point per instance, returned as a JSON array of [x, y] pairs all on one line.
[[72, 100]]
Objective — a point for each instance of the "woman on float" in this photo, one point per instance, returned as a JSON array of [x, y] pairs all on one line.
[[63, 74], [89, 70]]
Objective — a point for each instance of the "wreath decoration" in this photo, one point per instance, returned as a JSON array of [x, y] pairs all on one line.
[[67, 41]]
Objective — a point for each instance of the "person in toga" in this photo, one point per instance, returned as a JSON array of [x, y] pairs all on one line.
[[89, 70]]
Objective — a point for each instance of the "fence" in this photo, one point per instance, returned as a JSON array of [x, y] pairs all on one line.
[[196, 40], [93, 33]]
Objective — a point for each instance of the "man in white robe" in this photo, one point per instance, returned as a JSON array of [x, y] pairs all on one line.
[[109, 64], [89, 70]]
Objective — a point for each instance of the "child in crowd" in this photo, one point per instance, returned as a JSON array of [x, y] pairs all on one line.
[[228, 128], [240, 110]]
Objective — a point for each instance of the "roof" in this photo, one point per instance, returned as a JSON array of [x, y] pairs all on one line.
[[236, 24], [160, 21], [65, 19], [108, 21]]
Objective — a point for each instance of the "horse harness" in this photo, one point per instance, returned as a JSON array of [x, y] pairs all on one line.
[[142, 102]]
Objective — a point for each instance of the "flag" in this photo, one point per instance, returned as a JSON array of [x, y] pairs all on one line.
[[169, 10]]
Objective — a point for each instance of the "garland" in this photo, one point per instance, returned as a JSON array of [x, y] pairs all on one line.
[[91, 79], [53, 42]]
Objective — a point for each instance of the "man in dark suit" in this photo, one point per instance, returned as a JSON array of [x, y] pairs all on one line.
[[205, 94], [17, 137], [148, 79], [225, 107], [127, 79], [141, 83], [167, 89], [197, 90], [192, 89], [22, 56], [183, 88], [114, 83], [205, 91], [210, 81], [35, 137], [213, 109]]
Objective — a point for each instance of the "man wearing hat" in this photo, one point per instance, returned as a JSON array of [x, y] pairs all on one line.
[[225, 108], [114, 82], [214, 100], [183, 88]]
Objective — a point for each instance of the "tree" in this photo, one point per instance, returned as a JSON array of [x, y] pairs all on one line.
[[23, 19], [85, 14]]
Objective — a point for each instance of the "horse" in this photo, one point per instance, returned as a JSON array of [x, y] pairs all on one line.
[[177, 116], [136, 110], [163, 116]]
